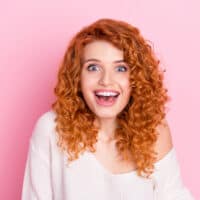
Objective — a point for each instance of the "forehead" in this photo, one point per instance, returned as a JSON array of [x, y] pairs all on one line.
[[102, 50]]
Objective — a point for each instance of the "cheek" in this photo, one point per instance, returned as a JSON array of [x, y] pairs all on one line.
[[86, 84], [88, 80], [125, 83]]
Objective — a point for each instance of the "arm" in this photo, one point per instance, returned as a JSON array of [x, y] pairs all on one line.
[[167, 175], [37, 176]]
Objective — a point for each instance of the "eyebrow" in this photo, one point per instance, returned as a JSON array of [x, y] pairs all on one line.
[[94, 59]]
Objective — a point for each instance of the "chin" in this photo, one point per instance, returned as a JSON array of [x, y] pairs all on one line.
[[105, 116]]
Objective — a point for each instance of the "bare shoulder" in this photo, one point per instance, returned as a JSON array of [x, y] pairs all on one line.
[[164, 142]]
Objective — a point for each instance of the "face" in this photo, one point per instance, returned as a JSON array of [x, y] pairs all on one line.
[[104, 79]]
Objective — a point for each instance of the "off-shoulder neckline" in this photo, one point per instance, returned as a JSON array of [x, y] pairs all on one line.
[[129, 173]]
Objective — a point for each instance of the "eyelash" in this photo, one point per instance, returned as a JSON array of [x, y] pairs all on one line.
[[91, 65], [125, 68]]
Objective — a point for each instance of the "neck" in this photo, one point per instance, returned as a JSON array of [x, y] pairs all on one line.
[[106, 129]]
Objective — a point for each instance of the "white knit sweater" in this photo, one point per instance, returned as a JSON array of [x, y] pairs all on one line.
[[48, 178]]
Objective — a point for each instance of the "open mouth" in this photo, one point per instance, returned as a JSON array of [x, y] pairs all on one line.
[[106, 98]]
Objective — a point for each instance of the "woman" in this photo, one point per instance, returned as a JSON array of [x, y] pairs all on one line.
[[106, 136]]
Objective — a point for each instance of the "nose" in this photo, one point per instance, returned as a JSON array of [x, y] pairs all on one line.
[[105, 78]]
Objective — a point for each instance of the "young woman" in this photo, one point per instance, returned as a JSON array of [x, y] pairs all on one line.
[[106, 137]]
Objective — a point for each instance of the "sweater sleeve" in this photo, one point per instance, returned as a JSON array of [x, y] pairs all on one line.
[[168, 181], [37, 175]]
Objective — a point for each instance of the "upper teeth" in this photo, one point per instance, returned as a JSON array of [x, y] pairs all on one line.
[[106, 93]]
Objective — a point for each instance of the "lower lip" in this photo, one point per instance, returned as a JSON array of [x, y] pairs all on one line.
[[102, 102]]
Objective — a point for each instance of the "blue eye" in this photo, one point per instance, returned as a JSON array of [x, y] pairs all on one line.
[[121, 68], [92, 67]]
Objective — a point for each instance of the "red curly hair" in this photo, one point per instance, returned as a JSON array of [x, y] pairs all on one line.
[[136, 134]]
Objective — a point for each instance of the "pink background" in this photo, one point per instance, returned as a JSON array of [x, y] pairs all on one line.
[[33, 38]]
